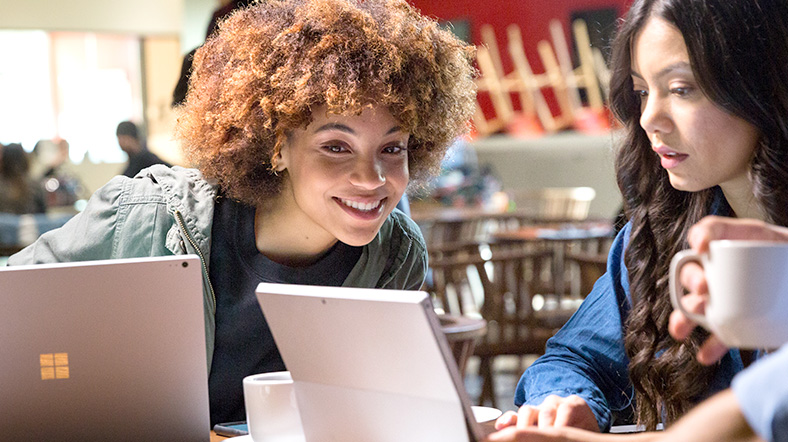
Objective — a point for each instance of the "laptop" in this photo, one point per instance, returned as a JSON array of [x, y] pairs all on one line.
[[368, 364], [104, 350]]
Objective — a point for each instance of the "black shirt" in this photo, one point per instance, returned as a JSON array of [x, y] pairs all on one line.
[[244, 344]]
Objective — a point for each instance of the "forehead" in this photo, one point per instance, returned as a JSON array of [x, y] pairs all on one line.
[[658, 44], [376, 116]]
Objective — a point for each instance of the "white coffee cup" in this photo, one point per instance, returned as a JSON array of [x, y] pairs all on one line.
[[271, 408], [748, 291]]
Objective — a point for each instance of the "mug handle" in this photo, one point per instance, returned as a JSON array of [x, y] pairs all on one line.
[[676, 289]]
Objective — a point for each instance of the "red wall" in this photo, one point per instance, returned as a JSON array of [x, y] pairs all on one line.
[[533, 17]]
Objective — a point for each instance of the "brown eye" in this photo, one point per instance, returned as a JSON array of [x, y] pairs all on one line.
[[335, 148], [394, 149]]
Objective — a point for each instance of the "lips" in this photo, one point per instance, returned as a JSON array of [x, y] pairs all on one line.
[[362, 209], [669, 158]]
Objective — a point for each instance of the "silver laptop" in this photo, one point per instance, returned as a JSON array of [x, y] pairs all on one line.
[[368, 364], [103, 350]]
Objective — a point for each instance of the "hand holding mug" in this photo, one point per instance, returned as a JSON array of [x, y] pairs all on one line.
[[695, 279]]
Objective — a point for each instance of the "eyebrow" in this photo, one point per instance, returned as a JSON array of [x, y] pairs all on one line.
[[347, 129], [679, 65]]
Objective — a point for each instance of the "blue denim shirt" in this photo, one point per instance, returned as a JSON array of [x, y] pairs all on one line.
[[587, 357]]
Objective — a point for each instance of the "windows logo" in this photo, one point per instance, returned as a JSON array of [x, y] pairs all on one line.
[[54, 366]]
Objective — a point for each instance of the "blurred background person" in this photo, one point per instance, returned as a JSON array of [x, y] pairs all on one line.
[[53, 169], [139, 156], [19, 194]]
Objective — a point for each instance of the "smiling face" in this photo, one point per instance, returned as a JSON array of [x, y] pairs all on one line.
[[344, 175], [699, 144]]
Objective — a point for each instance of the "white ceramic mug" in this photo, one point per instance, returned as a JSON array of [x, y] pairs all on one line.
[[748, 291], [271, 408]]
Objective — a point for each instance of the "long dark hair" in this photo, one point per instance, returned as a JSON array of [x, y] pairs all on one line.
[[738, 51]]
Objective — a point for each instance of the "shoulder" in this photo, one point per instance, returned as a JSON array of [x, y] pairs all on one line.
[[173, 189], [402, 230], [170, 183], [401, 251]]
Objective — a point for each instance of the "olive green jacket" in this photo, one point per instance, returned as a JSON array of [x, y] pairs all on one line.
[[169, 211]]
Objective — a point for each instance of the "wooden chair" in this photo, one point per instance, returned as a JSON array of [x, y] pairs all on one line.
[[522, 81], [521, 307], [502, 288], [585, 261]]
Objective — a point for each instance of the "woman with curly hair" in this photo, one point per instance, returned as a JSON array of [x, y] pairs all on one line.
[[705, 119], [306, 120]]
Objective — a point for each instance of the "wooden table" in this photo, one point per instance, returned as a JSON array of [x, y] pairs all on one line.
[[557, 235], [559, 231], [462, 332]]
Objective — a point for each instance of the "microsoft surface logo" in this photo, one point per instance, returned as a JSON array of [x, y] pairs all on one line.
[[54, 366]]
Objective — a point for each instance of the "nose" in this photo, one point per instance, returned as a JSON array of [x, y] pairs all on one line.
[[368, 173], [655, 115]]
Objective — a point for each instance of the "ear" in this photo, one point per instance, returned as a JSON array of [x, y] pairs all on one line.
[[279, 161]]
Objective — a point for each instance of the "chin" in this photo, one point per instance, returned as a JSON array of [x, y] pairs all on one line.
[[355, 241], [680, 184], [357, 238]]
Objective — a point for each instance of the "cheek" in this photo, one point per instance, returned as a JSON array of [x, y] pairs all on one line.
[[398, 173], [731, 137]]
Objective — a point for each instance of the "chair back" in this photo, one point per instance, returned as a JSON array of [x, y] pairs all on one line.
[[562, 203], [514, 282], [502, 288]]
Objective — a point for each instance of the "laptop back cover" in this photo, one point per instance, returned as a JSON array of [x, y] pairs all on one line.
[[104, 350], [368, 364]]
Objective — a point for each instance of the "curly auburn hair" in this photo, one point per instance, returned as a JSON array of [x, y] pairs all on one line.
[[727, 43], [259, 77]]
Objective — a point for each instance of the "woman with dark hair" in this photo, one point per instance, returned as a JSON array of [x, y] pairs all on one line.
[[306, 120], [19, 194], [700, 88]]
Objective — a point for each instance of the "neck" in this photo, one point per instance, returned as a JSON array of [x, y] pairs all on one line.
[[742, 200], [284, 234]]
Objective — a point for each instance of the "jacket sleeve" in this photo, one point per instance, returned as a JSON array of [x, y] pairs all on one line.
[[762, 393], [587, 357], [88, 235]]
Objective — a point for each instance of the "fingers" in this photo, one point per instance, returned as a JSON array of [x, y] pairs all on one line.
[[554, 411], [505, 435], [547, 410], [711, 351], [527, 416], [693, 278], [506, 420], [679, 325], [574, 412], [715, 227]]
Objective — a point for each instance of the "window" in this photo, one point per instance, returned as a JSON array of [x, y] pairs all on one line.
[[71, 85]]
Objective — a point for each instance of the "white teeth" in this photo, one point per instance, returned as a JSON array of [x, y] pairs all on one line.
[[365, 207]]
